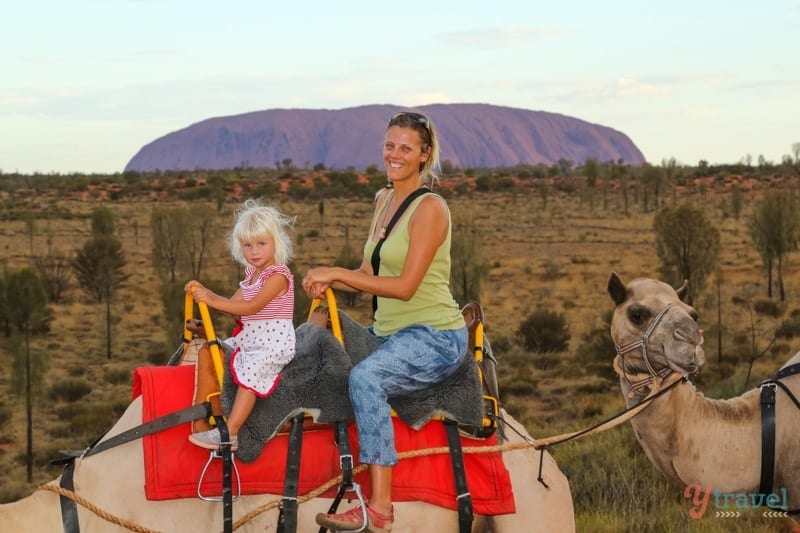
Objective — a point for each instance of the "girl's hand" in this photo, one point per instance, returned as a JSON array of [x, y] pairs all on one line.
[[201, 294]]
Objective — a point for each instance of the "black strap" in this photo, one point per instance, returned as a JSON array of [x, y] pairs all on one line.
[[69, 509], [287, 517], [786, 372], [768, 389], [202, 410], [463, 497], [346, 462], [227, 461], [376, 253]]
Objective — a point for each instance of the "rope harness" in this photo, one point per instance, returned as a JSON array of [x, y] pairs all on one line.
[[635, 387]]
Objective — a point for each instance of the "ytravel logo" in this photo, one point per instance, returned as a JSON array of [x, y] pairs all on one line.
[[730, 504]]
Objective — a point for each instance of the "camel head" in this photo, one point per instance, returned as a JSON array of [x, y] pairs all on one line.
[[653, 330]]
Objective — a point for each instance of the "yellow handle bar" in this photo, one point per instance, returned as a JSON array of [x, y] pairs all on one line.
[[211, 338], [333, 312]]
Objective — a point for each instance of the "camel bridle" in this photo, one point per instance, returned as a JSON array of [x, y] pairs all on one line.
[[635, 385]]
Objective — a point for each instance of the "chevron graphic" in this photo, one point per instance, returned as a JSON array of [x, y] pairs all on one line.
[[727, 514], [775, 514]]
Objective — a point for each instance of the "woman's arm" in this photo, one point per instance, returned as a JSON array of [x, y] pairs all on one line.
[[427, 229]]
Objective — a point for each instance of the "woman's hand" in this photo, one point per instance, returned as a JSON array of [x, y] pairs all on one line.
[[192, 285], [317, 281]]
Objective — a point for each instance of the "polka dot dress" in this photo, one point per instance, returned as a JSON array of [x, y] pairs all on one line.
[[265, 344]]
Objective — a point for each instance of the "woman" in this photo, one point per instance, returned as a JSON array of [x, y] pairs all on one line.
[[423, 334]]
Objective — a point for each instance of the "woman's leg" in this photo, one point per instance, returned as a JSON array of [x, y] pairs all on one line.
[[410, 360]]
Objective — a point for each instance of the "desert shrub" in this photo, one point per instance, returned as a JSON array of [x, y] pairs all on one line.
[[500, 344], [70, 390], [158, 357], [790, 328], [76, 370], [769, 308], [5, 416], [544, 331], [118, 376], [519, 386], [546, 361], [551, 270]]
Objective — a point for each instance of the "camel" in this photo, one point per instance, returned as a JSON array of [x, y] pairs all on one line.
[[113, 482], [699, 443]]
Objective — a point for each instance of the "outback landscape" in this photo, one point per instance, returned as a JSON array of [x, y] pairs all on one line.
[[542, 240]]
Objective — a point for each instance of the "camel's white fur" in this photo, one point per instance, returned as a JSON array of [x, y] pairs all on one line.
[[690, 438], [114, 482]]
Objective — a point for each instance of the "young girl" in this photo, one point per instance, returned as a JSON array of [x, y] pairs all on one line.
[[265, 303]]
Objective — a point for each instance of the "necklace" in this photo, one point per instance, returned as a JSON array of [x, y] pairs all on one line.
[[382, 232]]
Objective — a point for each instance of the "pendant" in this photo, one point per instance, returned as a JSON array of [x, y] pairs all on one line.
[[382, 233]]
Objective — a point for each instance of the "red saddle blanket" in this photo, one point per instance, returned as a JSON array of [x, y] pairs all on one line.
[[173, 465]]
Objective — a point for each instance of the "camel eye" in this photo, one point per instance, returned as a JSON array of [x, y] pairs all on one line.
[[694, 315], [638, 314]]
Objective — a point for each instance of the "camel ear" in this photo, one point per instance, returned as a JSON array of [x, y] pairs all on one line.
[[616, 288], [683, 290]]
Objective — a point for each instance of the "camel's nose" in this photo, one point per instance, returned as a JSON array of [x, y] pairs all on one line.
[[691, 334]]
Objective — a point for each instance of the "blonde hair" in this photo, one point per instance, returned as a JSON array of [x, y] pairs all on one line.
[[429, 137], [254, 220]]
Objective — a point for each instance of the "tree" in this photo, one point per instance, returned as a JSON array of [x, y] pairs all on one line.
[[591, 168], [652, 179], [544, 331], [349, 259], [688, 246], [102, 220], [469, 267], [98, 268], [775, 230], [198, 231], [321, 210], [167, 226], [55, 270], [30, 229], [27, 296]]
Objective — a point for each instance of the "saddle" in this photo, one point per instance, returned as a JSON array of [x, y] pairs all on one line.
[[313, 393]]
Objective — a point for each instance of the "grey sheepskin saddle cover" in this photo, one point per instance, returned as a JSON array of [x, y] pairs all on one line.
[[315, 382]]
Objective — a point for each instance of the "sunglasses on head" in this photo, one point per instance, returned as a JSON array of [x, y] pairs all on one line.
[[416, 117]]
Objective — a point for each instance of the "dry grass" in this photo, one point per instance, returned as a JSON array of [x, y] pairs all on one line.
[[558, 258]]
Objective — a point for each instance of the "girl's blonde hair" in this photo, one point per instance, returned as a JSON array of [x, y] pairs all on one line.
[[254, 220]]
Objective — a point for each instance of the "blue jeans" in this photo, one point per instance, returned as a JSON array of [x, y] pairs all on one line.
[[412, 359]]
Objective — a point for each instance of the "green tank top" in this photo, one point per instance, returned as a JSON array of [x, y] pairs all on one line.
[[433, 303]]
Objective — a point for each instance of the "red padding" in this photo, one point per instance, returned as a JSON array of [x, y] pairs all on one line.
[[173, 465]]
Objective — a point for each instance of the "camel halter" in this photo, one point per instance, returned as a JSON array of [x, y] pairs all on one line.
[[619, 362]]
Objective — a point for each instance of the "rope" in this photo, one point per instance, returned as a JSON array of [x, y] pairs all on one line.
[[96, 510], [538, 444]]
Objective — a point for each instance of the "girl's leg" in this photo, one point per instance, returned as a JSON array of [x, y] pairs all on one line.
[[242, 406]]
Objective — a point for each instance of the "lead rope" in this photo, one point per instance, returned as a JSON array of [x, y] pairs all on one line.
[[526, 443]]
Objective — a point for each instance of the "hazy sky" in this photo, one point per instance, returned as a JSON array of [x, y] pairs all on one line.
[[85, 83]]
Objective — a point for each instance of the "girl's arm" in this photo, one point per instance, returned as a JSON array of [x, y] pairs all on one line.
[[274, 286], [427, 231]]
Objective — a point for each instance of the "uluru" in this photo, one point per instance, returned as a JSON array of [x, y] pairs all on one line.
[[472, 135]]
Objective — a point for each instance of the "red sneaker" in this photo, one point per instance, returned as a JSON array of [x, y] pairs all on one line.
[[352, 520]]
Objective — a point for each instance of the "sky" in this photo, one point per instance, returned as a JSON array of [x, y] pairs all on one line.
[[84, 84]]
